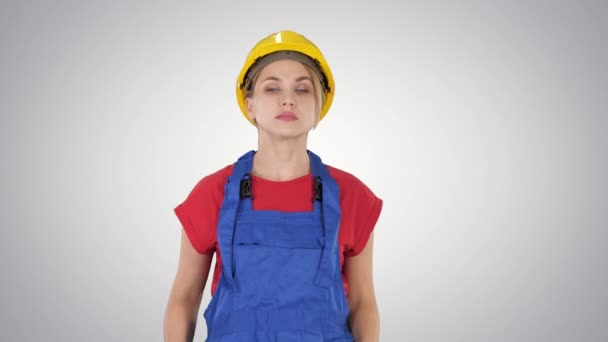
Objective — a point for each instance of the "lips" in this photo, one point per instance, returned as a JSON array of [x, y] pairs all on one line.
[[287, 116]]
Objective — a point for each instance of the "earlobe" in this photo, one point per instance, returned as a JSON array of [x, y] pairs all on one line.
[[249, 106]]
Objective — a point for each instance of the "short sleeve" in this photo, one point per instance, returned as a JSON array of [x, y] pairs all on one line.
[[199, 213], [367, 207], [360, 211]]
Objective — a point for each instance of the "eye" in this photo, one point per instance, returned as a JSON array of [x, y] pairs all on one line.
[[302, 90], [271, 89]]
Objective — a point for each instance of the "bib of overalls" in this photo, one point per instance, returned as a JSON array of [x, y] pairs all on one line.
[[280, 279]]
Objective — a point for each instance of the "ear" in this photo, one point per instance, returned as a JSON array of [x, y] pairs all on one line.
[[249, 105]]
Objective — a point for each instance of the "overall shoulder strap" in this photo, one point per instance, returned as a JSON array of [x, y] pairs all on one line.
[[330, 213], [227, 217]]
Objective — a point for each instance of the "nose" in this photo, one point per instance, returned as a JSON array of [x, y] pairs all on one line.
[[287, 101]]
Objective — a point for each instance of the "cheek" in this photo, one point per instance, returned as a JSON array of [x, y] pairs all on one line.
[[265, 102], [314, 107], [262, 106], [311, 104]]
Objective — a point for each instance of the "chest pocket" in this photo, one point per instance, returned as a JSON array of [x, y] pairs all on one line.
[[276, 262]]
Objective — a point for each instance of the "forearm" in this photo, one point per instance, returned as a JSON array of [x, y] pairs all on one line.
[[180, 322], [364, 320]]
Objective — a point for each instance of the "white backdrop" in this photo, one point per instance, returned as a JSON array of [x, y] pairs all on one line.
[[483, 127]]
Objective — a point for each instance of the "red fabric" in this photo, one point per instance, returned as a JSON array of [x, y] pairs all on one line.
[[199, 212]]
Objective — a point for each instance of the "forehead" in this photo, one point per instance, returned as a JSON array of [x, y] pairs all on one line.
[[285, 68]]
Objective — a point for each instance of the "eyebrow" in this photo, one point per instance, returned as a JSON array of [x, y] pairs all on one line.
[[273, 78]]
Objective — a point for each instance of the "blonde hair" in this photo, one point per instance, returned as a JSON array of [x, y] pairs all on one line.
[[317, 91], [319, 94]]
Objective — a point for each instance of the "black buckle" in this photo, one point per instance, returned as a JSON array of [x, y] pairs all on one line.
[[246, 187], [318, 190]]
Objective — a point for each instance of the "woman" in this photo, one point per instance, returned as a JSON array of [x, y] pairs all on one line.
[[292, 236]]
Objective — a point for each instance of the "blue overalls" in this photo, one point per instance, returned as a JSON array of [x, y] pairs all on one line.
[[281, 278]]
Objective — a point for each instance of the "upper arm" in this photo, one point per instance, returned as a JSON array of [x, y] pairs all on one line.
[[359, 275], [192, 271]]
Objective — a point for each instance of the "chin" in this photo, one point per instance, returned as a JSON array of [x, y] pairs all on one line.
[[291, 134], [287, 132]]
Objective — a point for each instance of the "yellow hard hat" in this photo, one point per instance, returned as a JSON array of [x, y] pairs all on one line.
[[281, 45]]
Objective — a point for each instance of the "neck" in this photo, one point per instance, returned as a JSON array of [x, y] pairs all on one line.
[[281, 159]]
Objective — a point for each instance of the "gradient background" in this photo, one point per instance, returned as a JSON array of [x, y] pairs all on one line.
[[483, 126]]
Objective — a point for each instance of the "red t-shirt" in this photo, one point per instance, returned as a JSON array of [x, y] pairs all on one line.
[[199, 213]]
